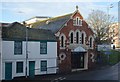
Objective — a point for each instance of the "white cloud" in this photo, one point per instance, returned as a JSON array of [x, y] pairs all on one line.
[[26, 10]]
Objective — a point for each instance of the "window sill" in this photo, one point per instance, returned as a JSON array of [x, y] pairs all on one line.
[[43, 53], [90, 47], [18, 54], [62, 47], [20, 73], [77, 25]]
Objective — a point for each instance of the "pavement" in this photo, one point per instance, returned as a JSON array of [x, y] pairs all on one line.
[[66, 76]]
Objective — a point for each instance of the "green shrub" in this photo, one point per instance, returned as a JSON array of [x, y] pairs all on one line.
[[114, 57]]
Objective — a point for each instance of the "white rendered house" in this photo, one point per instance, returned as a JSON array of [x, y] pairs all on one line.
[[37, 52]]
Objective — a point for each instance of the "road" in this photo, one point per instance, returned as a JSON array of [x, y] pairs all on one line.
[[110, 73], [107, 73]]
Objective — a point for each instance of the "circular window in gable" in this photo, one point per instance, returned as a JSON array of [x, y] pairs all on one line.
[[62, 56]]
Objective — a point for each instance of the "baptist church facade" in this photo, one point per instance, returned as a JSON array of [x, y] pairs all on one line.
[[75, 41]]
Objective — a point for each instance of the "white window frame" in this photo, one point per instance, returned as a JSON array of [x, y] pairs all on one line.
[[92, 42], [63, 41], [18, 46], [43, 43], [17, 67], [77, 21], [83, 32], [70, 37], [78, 36], [41, 65]]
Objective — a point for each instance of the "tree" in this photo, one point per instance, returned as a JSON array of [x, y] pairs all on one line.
[[100, 23]]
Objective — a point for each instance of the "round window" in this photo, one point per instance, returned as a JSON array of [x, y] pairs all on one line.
[[62, 56]]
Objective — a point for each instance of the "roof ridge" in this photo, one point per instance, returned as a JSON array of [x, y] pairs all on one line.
[[56, 17], [52, 19], [62, 16]]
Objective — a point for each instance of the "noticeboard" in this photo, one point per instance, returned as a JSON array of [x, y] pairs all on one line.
[[104, 47]]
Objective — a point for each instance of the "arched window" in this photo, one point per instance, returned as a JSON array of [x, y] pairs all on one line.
[[77, 21], [77, 37], [62, 41], [71, 36], [82, 37], [91, 42]]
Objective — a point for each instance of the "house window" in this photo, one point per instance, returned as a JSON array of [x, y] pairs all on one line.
[[19, 67], [43, 47], [77, 37], [91, 42], [17, 47], [77, 21], [74, 21], [71, 38], [62, 41], [82, 37], [44, 65]]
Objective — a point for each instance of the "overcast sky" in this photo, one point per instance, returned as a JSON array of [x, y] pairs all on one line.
[[11, 11]]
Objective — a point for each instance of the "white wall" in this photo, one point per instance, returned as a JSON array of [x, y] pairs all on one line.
[[35, 20], [33, 55]]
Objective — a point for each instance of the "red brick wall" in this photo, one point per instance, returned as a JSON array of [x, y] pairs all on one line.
[[91, 64], [65, 65]]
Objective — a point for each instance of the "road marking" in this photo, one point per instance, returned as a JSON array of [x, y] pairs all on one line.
[[63, 78], [58, 79]]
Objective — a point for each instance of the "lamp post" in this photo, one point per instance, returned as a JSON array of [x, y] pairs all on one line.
[[110, 6], [26, 39], [108, 9], [26, 58], [109, 39], [1, 52], [26, 49]]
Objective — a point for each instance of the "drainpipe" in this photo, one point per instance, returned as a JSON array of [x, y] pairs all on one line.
[[87, 61]]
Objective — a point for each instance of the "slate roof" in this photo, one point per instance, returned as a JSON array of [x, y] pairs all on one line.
[[17, 31], [53, 24]]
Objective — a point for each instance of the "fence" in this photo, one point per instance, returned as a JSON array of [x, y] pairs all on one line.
[[49, 70]]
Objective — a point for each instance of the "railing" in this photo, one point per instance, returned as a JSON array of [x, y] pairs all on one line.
[[49, 70]]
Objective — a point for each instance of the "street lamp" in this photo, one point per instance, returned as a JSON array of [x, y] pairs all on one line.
[[110, 6], [109, 40], [26, 36], [108, 9]]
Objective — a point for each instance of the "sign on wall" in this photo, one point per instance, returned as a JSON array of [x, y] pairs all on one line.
[[104, 47]]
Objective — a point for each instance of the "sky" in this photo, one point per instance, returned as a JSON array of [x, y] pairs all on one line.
[[12, 11]]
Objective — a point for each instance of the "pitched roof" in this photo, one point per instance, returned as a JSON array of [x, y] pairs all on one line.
[[38, 17], [18, 31], [53, 24], [4, 24]]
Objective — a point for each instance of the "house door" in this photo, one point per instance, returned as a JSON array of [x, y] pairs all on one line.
[[77, 60], [82, 61], [8, 71], [31, 69]]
